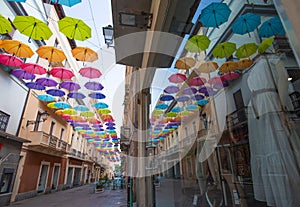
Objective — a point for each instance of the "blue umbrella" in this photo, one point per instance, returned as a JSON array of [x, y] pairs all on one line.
[[76, 95], [177, 109], [202, 102], [100, 105], [198, 97], [17, 0], [246, 23], [35, 86], [81, 108], [271, 27], [215, 14], [97, 95], [162, 106], [68, 3], [192, 107], [55, 92], [183, 99], [166, 98], [46, 97], [62, 105]]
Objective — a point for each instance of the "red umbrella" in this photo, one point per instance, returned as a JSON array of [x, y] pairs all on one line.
[[33, 68], [197, 81], [177, 78], [10, 60], [62, 73], [216, 80], [90, 72], [230, 76]]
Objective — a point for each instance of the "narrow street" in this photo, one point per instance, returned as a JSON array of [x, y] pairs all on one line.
[[77, 197]]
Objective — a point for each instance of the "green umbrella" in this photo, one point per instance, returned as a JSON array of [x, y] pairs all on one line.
[[197, 43], [74, 28], [32, 27], [5, 25], [246, 50], [265, 44], [225, 49], [171, 114]]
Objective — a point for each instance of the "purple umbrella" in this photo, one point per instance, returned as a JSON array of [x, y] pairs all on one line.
[[35, 86], [46, 82], [210, 93], [55, 92], [166, 98], [220, 85], [70, 85], [183, 98], [171, 89], [206, 89], [110, 128], [76, 95], [110, 124], [21, 74], [94, 86], [97, 95], [189, 91], [198, 97]]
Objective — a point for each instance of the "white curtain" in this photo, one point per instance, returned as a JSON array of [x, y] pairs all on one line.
[[274, 166]]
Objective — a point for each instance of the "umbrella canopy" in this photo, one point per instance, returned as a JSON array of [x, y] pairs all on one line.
[[96, 95], [21, 74], [207, 67], [76, 95], [225, 49], [74, 28], [104, 111], [220, 85], [246, 23], [197, 81], [55, 92], [32, 27], [62, 73], [84, 54], [94, 86], [206, 89], [162, 106], [198, 97], [100, 105], [70, 85], [157, 112], [46, 97], [17, 48], [230, 76], [215, 14], [202, 102], [70, 111], [192, 107], [46, 82], [166, 98], [17, 0], [265, 44], [35, 86], [185, 63], [62, 105], [51, 54], [215, 80], [189, 91], [81, 108], [90, 72], [87, 114], [68, 3], [271, 27], [51, 105], [197, 43], [34, 68], [5, 25], [245, 63], [10, 60], [183, 99], [171, 114], [228, 67], [171, 89], [177, 109], [177, 78], [246, 50]]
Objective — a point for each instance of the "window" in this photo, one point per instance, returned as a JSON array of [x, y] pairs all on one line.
[[52, 128], [186, 132], [72, 138], [3, 121], [62, 133], [6, 180], [37, 123]]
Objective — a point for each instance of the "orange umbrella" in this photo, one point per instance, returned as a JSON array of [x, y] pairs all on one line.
[[51, 54], [77, 118], [106, 117], [84, 54], [17, 48], [92, 120], [59, 112], [243, 64], [185, 63], [207, 67], [228, 67]]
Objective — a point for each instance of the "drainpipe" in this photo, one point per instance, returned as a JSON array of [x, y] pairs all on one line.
[[23, 113]]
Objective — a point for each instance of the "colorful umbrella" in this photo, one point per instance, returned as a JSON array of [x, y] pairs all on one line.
[[215, 80], [202, 102], [76, 95], [197, 81], [21, 74], [215, 14], [176, 109], [166, 98], [70, 111], [46, 82], [96, 95], [68, 3], [206, 89], [94, 86], [228, 67], [220, 85], [230, 76], [17, 0], [104, 111], [35, 86], [84, 54], [225, 49], [245, 63], [62, 105], [55, 92], [157, 112], [189, 91], [246, 23], [100, 105], [5, 25], [162, 106], [197, 43], [62, 73], [17, 48], [46, 97], [192, 107], [265, 44], [185, 113], [32, 27], [10, 60], [171, 114], [59, 112], [87, 114], [51, 54], [198, 97], [81, 108], [271, 27], [185, 63], [171, 89], [70, 85], [207, 67], [90, 72], [177, 78], [34, 68], [51, 105], [183, 99], [246, 50], [74, 28]]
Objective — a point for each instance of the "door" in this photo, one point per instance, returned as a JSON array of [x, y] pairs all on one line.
[[55, 177], [69, 177], [43, 178], [77, 175]]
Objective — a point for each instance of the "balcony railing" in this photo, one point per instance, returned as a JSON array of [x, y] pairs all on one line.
[[237, 124]]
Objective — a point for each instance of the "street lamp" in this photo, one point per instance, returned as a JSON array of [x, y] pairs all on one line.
[[43, 117], [108, 33]]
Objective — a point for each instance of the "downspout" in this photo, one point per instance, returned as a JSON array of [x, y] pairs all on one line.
[[23, 113]]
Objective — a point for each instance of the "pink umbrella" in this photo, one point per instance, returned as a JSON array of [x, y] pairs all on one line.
[[90, 72], [197, 81], [10, 60], [62, 73], [230, 76], [33, 68], [177, 78], [215, 80]]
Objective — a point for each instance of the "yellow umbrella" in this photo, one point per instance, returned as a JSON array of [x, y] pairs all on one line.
[[87, 114], [228, 67], [51, 105], [104, 111], [70, 111], [17, 48], [185, 63], [51, 54], [243, 64], [84, 54], [157, 112], [207, 67]]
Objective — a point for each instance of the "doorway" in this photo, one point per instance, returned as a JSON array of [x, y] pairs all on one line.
[[43, 178]]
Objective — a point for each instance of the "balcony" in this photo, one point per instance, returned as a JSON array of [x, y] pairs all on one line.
[[237, 125], [77, 154]]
